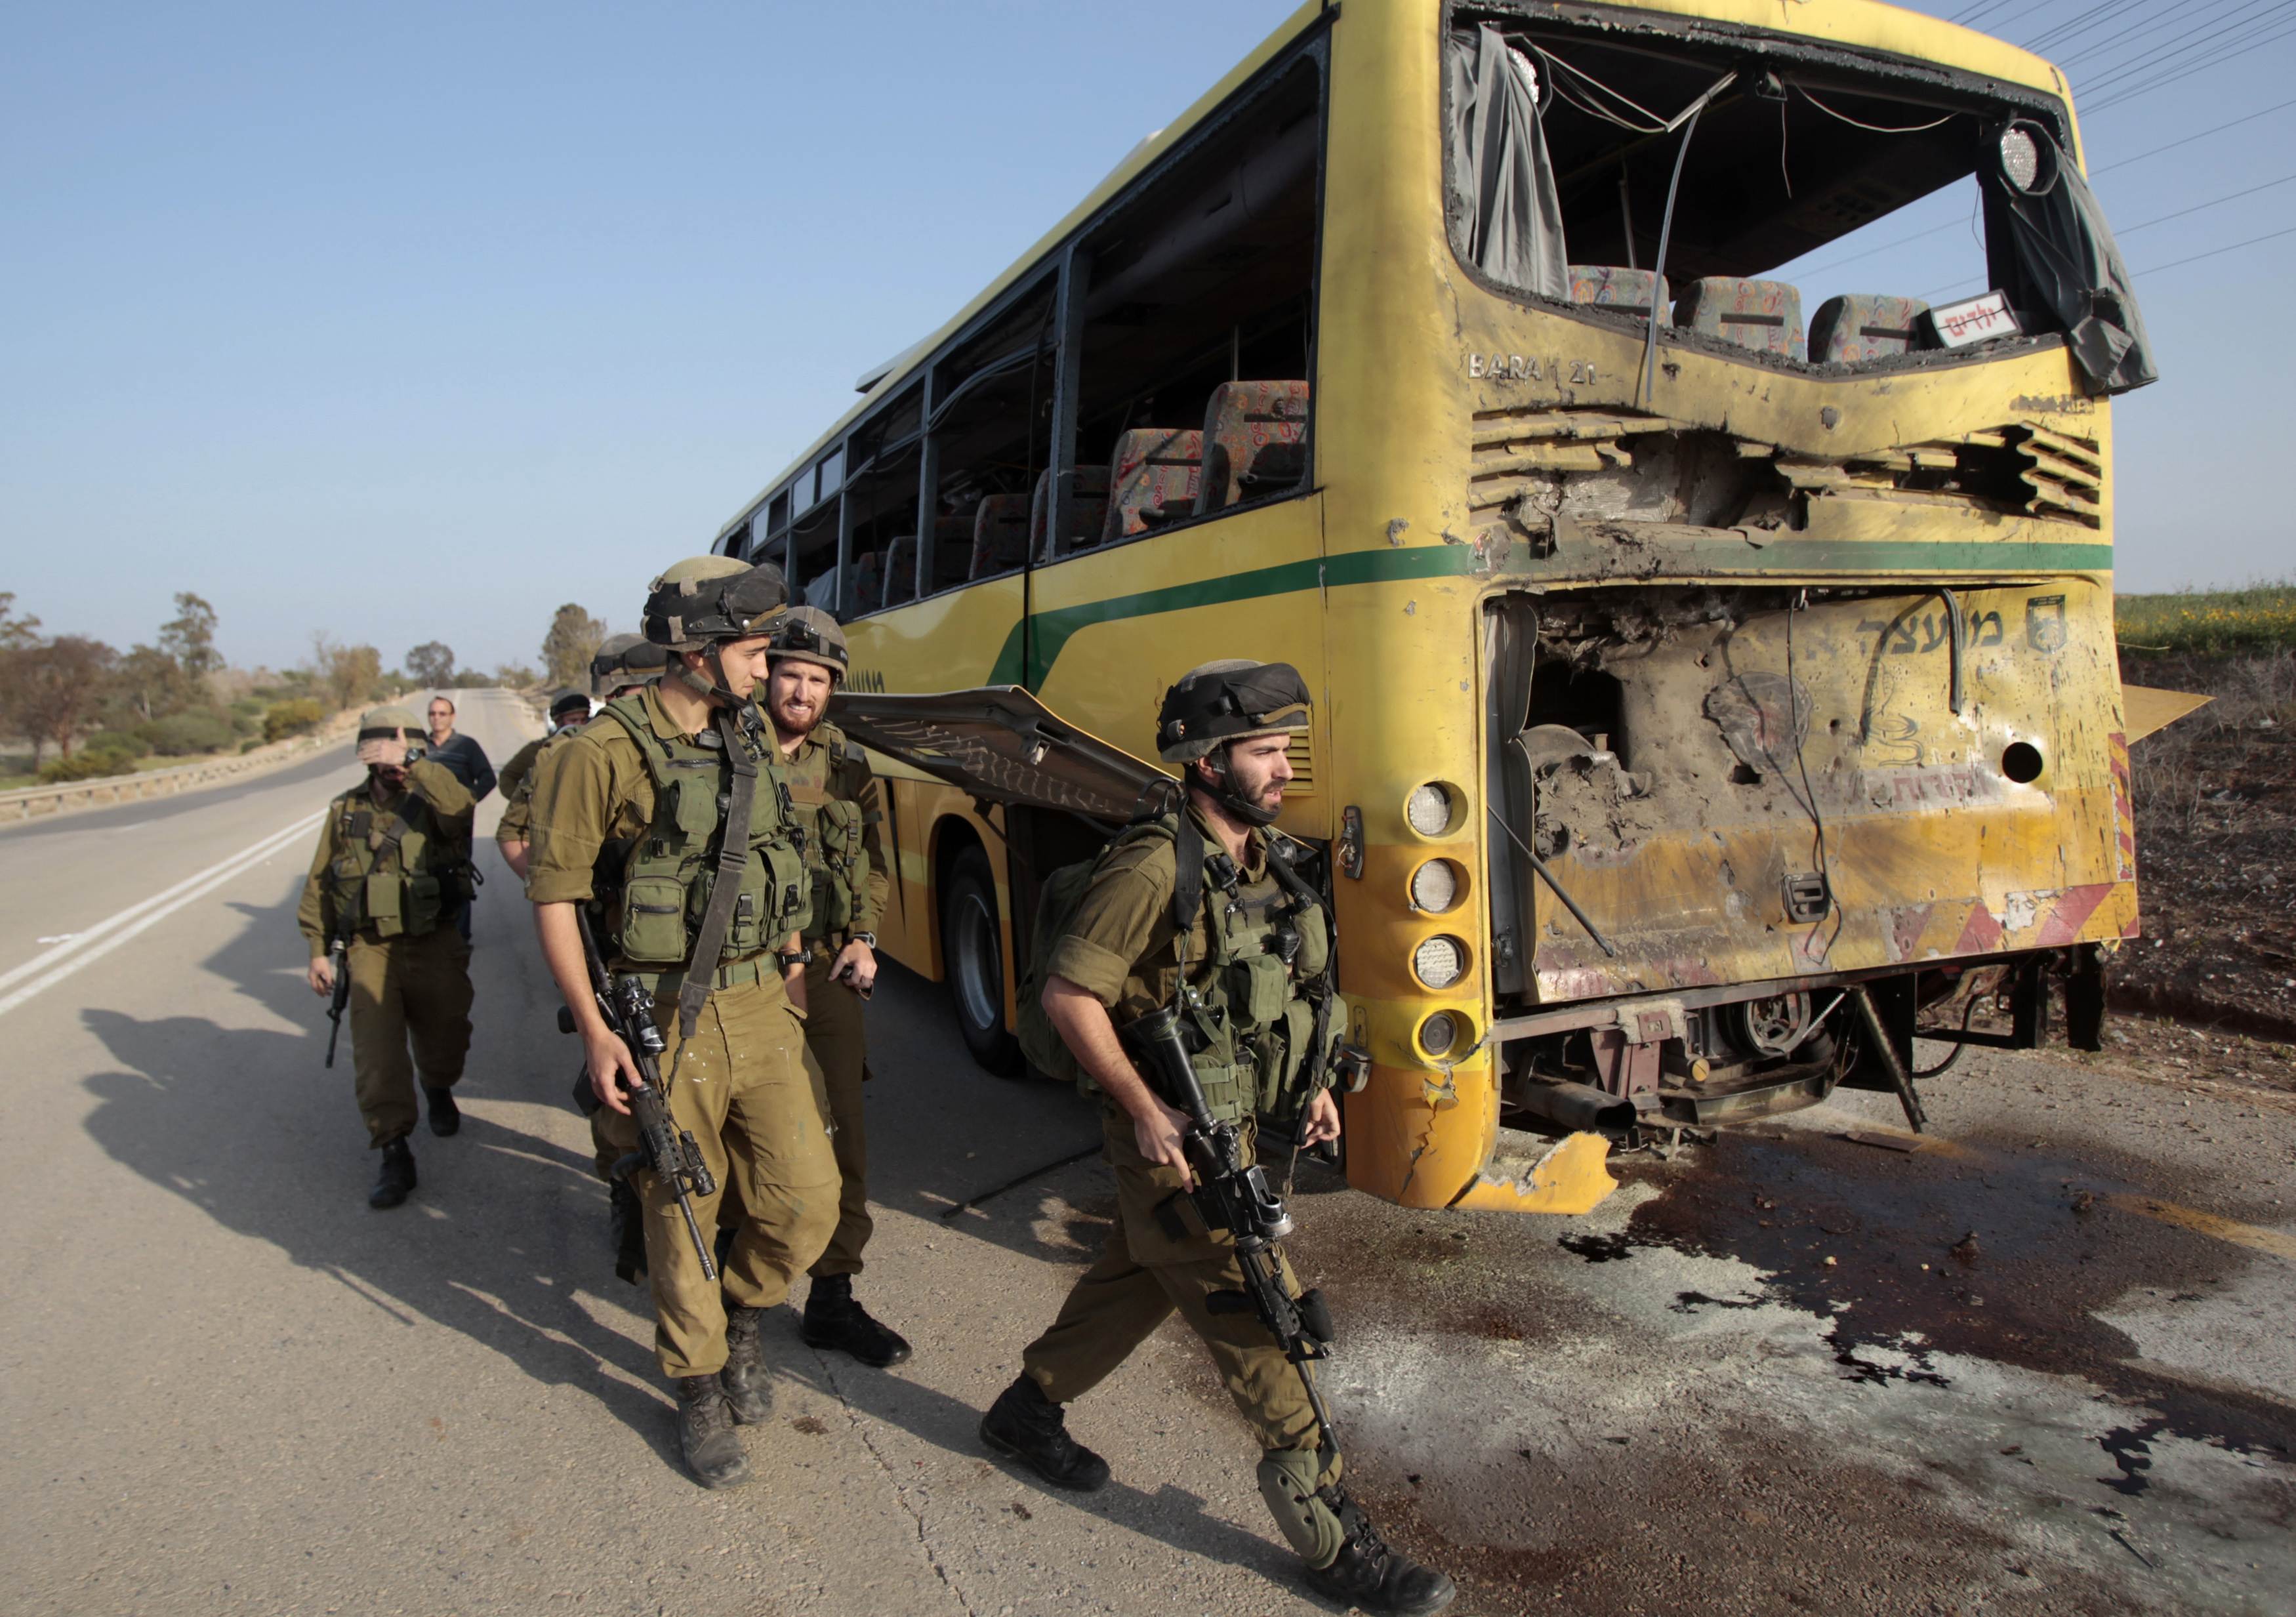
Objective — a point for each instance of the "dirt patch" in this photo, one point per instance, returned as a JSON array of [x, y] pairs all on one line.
[[2216, 849]]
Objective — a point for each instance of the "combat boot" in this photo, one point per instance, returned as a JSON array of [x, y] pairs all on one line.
[[396, 1177], [833, 1320], [747, 1392], [1371, 1577], [445, 1116], [1026, 1425], [705, 1431]]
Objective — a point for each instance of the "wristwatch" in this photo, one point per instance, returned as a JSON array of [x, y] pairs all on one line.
[[870, 938]]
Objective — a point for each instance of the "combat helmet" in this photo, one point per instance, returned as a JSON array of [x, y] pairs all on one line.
[[623, 659], [570, 701], [384, 735], [1229, 701], [700, 603], [702, 599], [807, 634]]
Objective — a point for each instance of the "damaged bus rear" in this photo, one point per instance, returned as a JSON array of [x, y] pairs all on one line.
[[1737, 671]]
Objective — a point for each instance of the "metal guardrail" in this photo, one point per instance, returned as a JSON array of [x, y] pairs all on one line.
[[35, 802]]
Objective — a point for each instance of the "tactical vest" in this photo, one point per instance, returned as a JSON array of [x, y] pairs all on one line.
[[836, 851], [669, 872], [395, 869], [1250, 1005]]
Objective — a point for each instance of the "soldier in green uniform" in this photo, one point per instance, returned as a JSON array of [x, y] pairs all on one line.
[[392, 876], [569, 709], [661, 788], [838, 798], [1240, 986]]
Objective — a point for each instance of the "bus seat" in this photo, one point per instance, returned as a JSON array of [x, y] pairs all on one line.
[[1152, 479], [1000, 535], [867, 592], [1607, 287], [1859, 326], [1087, 510], [1255, 441], [1763, 316], [901, 569]]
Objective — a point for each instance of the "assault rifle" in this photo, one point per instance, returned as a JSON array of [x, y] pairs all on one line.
[[338, 957], [1232, 1194], [663, 1146]]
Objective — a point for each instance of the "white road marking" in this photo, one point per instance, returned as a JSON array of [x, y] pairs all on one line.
[[87, 946]]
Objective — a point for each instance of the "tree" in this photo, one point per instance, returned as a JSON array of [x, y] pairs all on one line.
[[148, 684], [54, 689], [189, 638], [431, 664], [572, 640], [517, 676], [16, 634], [347, 674]]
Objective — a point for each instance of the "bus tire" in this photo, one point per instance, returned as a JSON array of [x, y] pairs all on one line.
[[973, 953]]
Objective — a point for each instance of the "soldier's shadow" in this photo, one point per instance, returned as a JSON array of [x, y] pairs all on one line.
[[1170, 1515], [502, 1237]]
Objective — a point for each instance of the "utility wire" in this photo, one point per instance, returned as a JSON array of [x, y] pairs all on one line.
[[2061, 34], [2277, 106], [2145, 76], [2186, 21], [2214, 251], [2131, 230]]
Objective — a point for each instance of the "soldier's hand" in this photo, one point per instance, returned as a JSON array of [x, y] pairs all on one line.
[[857, 968], [1160, 1136], [321, 976], [610, 1067], [1322, 1120]]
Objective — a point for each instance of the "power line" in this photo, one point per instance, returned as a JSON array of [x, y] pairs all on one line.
[[2277, 106], [2214, 251], [2169, 69], [2050, 40], [2176, 20], [2197, 207], [2189, 44]]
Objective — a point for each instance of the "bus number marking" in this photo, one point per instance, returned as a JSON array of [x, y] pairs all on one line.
[[1519, 367]]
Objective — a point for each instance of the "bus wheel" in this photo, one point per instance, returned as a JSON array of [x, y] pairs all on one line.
[[972, 949]]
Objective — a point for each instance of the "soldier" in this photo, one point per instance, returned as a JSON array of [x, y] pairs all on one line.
[[664, 777], [1123, 956], [837, 798], [391, 877], [569, 710]]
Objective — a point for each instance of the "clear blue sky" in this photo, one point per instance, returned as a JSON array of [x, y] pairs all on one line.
[[413, 321]]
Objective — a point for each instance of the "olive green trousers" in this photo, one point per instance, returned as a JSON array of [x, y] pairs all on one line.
[[402, 990], [742, 1081], [1143, 1274], [833, 1033]]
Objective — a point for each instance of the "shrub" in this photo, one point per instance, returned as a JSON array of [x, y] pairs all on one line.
[[180, 734], [126, 745], [83, 765], [291, 718], [250, 743]]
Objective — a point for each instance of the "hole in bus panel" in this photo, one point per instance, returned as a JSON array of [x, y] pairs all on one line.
[[1200, 330], [1820, 213]]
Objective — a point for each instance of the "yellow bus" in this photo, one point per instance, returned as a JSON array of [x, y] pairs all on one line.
[[1710, 677]]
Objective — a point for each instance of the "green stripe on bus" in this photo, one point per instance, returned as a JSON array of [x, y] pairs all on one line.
[[1721, 559]]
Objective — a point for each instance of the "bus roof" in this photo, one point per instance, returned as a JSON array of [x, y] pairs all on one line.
[[1863, 25]]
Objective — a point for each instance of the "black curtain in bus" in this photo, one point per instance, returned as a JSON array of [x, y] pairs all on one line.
[[2066, 254], [1507, 218]]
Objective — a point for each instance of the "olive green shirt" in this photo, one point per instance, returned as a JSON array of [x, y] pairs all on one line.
[[451, 805], [516, 782], [808, 764], [1120, 948], [590, 789]]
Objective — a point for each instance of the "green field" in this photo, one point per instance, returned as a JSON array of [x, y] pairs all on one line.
[[2208, 623]]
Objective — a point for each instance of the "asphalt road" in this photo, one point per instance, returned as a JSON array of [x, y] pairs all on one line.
[[2041, 1364]]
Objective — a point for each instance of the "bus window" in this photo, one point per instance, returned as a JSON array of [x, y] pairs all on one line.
[[1563, 146], [992, 403], [1193, 394], [881, 493]]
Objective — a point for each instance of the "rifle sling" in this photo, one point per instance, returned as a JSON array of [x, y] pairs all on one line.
[[732, 856]]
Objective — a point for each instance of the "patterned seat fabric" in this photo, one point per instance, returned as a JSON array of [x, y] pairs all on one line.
[[1000, 535], [901, 569], [1859, 326], [1255, 441], [1606, 287], [1763, 316], [1152, 480], [1087, 510]]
